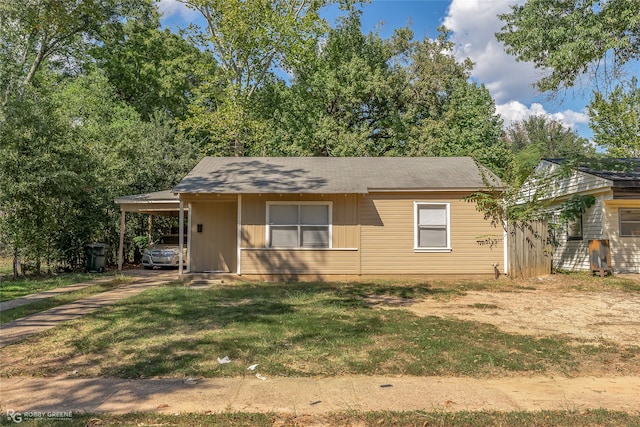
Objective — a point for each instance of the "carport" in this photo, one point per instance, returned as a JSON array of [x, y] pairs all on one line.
[[159, 203]]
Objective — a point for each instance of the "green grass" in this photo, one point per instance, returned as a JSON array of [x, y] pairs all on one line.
[[301, 329], [599, 418], [55, 301], [11, 289]]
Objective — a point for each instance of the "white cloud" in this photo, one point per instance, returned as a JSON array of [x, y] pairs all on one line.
[[170, 8], [474, 24], [514, 111]]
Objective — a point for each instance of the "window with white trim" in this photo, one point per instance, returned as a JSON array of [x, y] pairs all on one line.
[[432, 231], [629, 222], [298, 225]]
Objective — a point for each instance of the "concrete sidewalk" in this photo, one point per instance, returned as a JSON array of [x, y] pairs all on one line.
[[319, 395], [21, 328], [28, 299]]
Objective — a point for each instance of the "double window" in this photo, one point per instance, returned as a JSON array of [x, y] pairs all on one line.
[[298, 225], [629, 222], [432, 228]]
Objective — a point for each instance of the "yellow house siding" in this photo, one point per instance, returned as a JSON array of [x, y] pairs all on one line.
[[302, 261], [344, 217], [388, 237], [257, 259], [214, 248], [625, 250]]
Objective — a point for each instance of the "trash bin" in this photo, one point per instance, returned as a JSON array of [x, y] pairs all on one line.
[[96, 257]]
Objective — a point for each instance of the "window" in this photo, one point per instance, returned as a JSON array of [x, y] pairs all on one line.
[[432, 226], [629, 222], [574, 229], [303, 225]]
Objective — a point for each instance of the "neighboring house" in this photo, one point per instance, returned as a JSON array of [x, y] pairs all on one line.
[[338, 216], [615, 216]]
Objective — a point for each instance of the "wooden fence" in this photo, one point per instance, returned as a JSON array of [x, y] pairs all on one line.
[[529, 251]]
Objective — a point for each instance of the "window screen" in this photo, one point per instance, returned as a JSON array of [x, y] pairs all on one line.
[[431, 226], [299, 225]]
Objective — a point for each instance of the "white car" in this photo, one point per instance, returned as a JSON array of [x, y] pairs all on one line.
[[165, 253]]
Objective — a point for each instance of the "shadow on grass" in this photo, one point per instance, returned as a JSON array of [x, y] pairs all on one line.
[[293, 329]]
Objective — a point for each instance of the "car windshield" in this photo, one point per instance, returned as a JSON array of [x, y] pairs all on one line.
[[171, 240]]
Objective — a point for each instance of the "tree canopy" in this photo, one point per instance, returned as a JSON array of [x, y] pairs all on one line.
[[98, 101], [570, 37], [615, 120]]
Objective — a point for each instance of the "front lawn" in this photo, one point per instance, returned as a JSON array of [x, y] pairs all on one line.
[[294, 329], [11, 289]]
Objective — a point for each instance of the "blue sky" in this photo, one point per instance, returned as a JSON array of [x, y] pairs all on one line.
[[474, 23]]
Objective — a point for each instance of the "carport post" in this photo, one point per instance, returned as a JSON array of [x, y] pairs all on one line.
[[121, 247]]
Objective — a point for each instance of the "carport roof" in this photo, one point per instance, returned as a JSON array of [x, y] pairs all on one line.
[[334, 175], [158, 203]]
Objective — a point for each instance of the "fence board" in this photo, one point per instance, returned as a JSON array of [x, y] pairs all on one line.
[[529, 251]]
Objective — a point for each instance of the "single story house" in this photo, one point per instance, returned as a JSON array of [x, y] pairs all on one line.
[[319, 216], [614, 219]]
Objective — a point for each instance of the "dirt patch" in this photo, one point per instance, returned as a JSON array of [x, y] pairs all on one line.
[[546, 309]]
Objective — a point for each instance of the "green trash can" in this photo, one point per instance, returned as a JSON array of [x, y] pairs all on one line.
[[96, 257]]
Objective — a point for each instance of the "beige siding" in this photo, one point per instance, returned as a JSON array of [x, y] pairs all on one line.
[[257, 259], [574, 254], [388, 237], [213, 249], [625, 251], [344, 217], [302, 261]]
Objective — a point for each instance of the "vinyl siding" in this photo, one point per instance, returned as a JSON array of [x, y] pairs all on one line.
[[213, 249], [388, 237], [342, 258], [574, 254], [559, 187], [625, 250], [300, 261], [372, 234]]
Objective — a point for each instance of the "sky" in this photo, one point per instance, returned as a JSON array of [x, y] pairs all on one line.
[[473, 24]]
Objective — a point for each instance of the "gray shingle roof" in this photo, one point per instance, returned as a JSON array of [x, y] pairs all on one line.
[[332, 175]]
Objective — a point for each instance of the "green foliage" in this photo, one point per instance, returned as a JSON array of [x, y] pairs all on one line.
[[572, 36], [537, 137], [574, 207], [368, 96], [152, 70], [252, 41], [615, 120]]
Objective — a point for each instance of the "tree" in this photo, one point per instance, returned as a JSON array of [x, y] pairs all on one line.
[[368, 96], [252, 41], [536, 137], [572, 36], [344, 102], [151, 69], [615, 120], [34, 32]]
